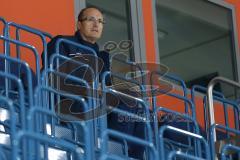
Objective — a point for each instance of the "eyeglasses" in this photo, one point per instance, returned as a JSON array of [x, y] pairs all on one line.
[[93, 19]]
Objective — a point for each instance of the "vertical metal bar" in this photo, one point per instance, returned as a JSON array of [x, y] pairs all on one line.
[[6, 63], [42, 35], [21, 95], [11, 109], [210, 97], [29, 77]]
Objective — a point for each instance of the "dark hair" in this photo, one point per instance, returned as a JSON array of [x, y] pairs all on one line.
[[81, 13]]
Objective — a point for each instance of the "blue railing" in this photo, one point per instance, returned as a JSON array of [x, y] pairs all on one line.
[[88, 135]]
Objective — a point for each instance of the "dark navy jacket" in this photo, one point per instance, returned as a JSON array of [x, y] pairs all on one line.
[[113, 118], [75, 52], [70, 50]]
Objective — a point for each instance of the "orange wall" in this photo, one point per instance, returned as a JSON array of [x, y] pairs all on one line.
[[148, 30], [178, 105], [52, 16]]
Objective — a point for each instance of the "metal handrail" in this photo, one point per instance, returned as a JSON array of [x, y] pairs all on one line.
[[32, 114], [226, 104], [29, 76], [196, 88], [93, 52], [183, 132], [213, 136], [21, 94], [32, 48], [228, 147], [41, 88], [234, 106], [139, 101], [175, 154], [203, 89], [105, 89], [44, 139], [211, 84], [126, 137], [46, 34], [78, 98], [131, 63], [177, 79], [57, 57], [9, 105], [181, 115], [37, 32], [73, 78], [184, 116], [62, 40], [3, 20], [135, 116]]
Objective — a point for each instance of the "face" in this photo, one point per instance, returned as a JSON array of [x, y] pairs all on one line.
[[91, 25]]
